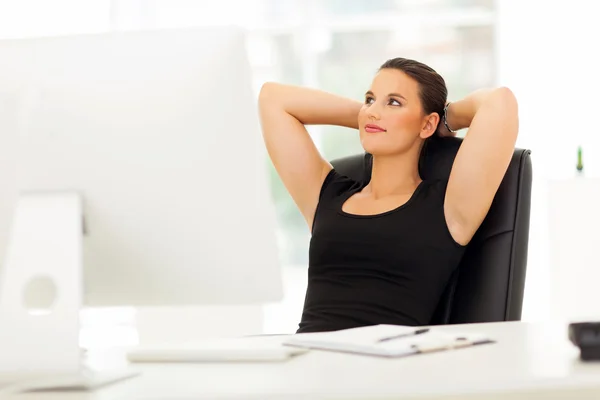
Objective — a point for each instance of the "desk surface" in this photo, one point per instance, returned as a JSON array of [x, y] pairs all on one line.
[[529, 361]]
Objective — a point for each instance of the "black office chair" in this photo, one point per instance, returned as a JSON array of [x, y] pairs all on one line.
[[489, 283]]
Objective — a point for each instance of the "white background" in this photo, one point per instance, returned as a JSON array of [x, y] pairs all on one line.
[[545, 51]]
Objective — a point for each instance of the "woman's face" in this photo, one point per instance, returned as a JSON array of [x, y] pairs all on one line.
[[392, 119]]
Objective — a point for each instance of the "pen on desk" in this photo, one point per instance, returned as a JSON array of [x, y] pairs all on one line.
[[407, 334]]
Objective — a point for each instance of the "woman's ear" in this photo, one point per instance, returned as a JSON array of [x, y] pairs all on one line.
[[430, 125]]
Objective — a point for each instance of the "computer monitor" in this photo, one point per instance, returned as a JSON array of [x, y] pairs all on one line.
[[8, 184], [157, 133]]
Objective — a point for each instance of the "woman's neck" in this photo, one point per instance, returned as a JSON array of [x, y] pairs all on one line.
[[397, 174]]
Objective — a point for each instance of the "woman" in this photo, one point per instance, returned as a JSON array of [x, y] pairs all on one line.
[[382, 251]]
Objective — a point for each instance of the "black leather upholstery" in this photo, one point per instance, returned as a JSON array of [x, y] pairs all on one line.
[[489, 283]]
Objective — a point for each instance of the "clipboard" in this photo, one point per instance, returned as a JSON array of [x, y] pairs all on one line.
[[387, 340]]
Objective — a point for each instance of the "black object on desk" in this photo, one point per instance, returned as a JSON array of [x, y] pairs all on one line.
[[586, 336]]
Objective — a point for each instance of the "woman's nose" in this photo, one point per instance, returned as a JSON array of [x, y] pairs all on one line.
[[372, 112]]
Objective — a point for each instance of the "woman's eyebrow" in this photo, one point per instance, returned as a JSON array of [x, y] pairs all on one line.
[[389, 95], [396, 95]]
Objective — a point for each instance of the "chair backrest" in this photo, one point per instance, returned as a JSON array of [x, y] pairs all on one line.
[[489, 283]]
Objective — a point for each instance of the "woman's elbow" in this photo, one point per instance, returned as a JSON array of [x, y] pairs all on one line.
[[505, 99], [266, 92], [504, 103]]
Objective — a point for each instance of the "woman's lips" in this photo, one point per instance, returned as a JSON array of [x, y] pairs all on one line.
[[370, 128]]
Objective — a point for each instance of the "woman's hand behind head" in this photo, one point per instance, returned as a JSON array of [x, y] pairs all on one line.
[[442, 130]]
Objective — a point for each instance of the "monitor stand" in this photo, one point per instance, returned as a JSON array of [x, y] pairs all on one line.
[[41, 295]]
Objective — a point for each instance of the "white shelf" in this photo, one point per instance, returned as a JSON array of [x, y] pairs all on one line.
[[574, 220]]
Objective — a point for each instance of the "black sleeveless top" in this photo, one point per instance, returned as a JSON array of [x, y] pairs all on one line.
[[388, 268]]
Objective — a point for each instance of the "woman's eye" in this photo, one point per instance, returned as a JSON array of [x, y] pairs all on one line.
[[369, 100], [394, 102]]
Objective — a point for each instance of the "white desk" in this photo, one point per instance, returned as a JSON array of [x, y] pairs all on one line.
[[529, 362]]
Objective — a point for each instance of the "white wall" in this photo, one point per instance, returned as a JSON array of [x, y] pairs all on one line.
[[23, 18], [549, 56]]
